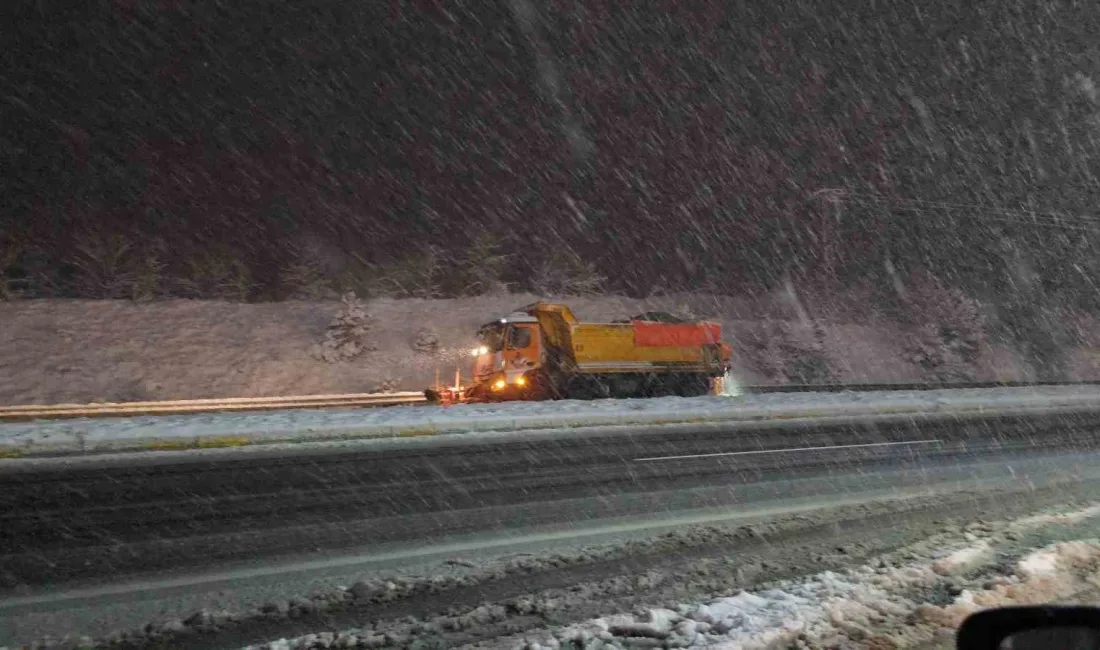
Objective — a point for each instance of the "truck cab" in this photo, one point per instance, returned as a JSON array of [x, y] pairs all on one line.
[[508, 354]]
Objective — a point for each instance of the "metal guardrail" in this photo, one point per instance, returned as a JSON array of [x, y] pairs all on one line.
[[841, 388], [367, 400], [178, 407]]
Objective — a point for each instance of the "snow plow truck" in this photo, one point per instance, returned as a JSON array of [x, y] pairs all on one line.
[[542, 351]]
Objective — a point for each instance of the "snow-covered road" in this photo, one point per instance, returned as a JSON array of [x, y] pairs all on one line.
[[884, 601], [237, 429], [916, 596], [483, 486]]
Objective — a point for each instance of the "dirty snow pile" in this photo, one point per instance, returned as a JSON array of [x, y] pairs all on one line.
[[917, 595], [868, 607], [906, 598]]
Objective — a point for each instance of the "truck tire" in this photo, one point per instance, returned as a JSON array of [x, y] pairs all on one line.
[[546, 387], [586, 387], [626, 385], [659, 385], [693, 385]]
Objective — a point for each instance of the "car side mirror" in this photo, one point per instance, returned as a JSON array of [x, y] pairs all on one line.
[[1040, 627]]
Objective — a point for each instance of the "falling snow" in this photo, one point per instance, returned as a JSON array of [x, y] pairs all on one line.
[[888, 189]]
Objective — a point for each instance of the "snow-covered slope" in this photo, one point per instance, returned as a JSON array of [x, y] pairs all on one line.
[[83, 351]]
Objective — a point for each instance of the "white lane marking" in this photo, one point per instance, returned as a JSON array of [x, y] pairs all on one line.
[[781, 450]]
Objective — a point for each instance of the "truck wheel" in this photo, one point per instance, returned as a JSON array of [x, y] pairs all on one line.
[[626, 386], [544, 387], [574, 388], [591, 387], [693, 386], [659, 385]]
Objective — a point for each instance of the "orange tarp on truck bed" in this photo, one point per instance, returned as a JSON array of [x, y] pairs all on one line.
[[677, 335]]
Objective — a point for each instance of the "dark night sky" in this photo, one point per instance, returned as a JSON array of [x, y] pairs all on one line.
[[675, 143]]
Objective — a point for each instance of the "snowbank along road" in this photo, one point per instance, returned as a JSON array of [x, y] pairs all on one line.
[[213, 430], [170, 529]]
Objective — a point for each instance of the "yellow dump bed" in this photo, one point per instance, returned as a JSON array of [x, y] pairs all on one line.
[[615, 347]]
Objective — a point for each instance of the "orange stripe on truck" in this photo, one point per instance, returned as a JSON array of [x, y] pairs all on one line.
[[683, 335]]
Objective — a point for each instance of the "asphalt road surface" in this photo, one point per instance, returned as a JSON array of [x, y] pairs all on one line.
[[72, 524], [69, 523]]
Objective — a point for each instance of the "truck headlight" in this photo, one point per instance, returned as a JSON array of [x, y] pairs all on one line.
[[499, 384], [521, 381]]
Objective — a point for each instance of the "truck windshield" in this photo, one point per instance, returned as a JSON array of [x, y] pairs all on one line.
[[519, 338], [492, 337]]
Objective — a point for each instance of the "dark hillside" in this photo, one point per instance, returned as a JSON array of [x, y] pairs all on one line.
[[244, 149]]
